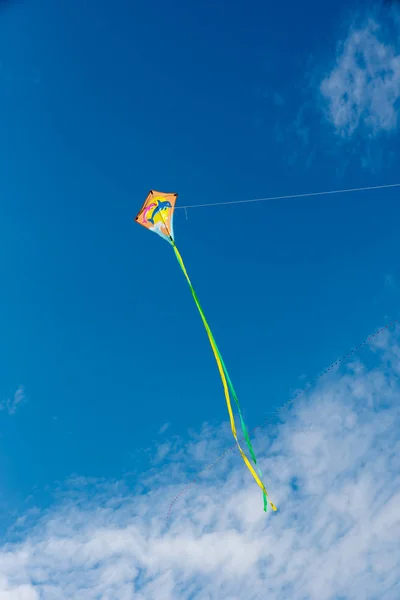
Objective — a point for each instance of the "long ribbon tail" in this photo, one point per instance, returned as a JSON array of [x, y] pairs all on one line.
[[244, 429], [227, 384], [243, 425]]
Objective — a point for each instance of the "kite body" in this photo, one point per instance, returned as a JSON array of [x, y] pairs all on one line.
[[156, 215]]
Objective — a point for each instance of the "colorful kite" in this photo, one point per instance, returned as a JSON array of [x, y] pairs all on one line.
[[156, 214]]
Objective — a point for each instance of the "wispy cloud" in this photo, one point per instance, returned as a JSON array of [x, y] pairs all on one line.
[[390, 281], [356, 91], [11, 404], [362, 91], [163, 428], [332, 467], [278, 99]]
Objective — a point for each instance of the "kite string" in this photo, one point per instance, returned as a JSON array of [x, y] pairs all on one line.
[[295, 396], [291, 196]]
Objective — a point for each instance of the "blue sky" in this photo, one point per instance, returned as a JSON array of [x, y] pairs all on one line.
[[101, 346]]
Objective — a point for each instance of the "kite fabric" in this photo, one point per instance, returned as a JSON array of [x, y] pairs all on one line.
[[156, 215]]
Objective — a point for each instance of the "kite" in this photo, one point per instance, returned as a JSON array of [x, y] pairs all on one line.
[[156, 215]]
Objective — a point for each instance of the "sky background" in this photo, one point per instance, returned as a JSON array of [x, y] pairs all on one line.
[[110, 399]]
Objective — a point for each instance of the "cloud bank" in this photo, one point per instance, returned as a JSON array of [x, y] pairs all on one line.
[[332, 466]]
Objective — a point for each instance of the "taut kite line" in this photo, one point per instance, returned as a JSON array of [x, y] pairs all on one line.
[[156, 215]]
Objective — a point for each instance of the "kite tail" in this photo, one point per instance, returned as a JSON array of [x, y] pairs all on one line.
[[245, 430], [227, 384]]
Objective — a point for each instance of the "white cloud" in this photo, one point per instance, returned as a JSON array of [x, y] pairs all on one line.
[[163, 428], [363, 89], [278, 99], [12, 404], [18, 398], [332, 467], [391, 282]]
